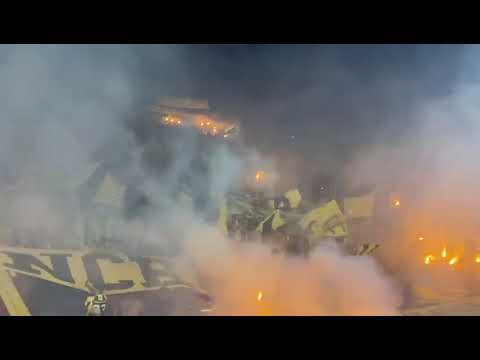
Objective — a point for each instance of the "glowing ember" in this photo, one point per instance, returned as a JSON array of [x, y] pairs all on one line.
[[477, 259], [259, 176], [420, 238], [259, 296], [429, 259], [206, 124], [453, 260], [397, 203], [444, 252]]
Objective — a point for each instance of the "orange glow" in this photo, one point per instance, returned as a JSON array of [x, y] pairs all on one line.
[[259, 296], [420, 238], [429, 259], [453, 260], [444, 252], [477, 259], [206, 124], [260, 176], [172, 120], [397, 203]]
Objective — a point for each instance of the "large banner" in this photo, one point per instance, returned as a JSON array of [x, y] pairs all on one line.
[[53, 282]]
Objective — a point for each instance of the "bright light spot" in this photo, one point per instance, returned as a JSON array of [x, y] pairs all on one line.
[[259, 296], [444, 252], [453, 260], [259, 176], [420, 238], [429, 259]]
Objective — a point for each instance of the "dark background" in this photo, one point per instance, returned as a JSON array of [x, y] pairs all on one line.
[[330, 97]]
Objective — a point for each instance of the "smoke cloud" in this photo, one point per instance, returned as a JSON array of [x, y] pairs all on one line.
[[66, 108], [245, 279], [431, 165]]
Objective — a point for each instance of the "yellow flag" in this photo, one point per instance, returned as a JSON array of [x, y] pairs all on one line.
[[294, 197], [277, 221], [10, 295], [326, 220]]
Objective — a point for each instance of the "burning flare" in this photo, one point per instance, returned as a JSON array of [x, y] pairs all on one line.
[[444, 252], [259, 296], [477, 259], [260, 176], [429, 259], [453, 260], [420, 238], [397, 203], [206, 124]]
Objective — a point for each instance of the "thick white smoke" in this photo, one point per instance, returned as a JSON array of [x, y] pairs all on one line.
[[328, 283], [60, 104]]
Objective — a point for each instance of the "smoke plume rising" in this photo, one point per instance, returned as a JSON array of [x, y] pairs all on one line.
[[63, 106], [431, 164]]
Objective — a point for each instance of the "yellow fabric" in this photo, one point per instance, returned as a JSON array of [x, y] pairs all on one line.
[[11, 297], [110, 193], [326, 220], [360, 206], [294, 197], [277, 221]]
